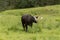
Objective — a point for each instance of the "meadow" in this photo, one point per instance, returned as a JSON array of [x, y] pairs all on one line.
[[47, 28]]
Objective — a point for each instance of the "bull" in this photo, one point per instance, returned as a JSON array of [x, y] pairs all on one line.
[[28, 19]]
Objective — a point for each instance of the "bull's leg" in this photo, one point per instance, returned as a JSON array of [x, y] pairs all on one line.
[[26, 28], [31, 25], [23, 26]]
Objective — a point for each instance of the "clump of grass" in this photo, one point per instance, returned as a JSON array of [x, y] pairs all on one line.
[[47, 28]]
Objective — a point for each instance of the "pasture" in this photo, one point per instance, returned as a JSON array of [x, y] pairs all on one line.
[[47, 28]]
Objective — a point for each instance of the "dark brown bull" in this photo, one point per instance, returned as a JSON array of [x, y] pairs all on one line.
[[27, 20]]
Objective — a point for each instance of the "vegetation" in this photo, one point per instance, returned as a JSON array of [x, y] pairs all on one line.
[[47, 28], [13, 4]]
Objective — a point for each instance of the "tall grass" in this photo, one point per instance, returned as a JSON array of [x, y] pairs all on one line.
[[47, 28]]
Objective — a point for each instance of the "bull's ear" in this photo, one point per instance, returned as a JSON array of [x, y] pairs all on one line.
[[36, 16]]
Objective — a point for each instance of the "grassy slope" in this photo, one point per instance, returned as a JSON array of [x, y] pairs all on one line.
[[46, 29]]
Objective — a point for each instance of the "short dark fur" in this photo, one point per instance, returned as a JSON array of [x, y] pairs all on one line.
[[27, 20]]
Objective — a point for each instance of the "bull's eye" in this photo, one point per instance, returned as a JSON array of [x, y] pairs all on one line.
[[37, 17]]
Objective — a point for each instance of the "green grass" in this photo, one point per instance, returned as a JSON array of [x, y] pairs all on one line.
[[47, 28]]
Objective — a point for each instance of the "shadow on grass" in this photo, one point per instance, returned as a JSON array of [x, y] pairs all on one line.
[[14, 29], [20, 30]]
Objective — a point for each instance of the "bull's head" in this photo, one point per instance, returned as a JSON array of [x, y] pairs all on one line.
[[37, 18]]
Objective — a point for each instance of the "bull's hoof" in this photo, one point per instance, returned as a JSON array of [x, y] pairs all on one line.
[[26, 30], [31, 27]]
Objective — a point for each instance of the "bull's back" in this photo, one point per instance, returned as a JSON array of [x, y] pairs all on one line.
[[26, 18]]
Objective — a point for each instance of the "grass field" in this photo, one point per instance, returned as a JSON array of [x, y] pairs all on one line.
[[47, 28]]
